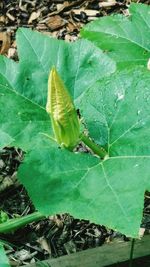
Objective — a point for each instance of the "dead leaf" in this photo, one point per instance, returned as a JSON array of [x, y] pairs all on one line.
[[5, 39]]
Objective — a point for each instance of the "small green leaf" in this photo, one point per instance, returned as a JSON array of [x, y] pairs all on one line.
[[3, 259], [125, 39], [3, 217]]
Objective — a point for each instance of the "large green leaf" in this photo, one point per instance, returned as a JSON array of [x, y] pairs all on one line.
[[21, 119], [3, 258], [125, 39], [23, 85], [80, 63], [116, 111]]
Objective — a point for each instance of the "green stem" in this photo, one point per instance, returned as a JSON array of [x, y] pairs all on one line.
[[14, 224], [131, 252], [98, 150]]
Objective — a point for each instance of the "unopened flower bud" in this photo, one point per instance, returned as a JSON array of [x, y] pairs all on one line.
[[60, 106]]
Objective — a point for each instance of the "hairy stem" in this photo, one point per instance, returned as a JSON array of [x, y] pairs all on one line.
[[131, 252], [98, 150], [14, 224]]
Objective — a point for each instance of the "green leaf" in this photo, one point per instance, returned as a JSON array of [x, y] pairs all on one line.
[[3, 216], [55, 173], [125, 39], [21, 119], [80, 63], [3, 258], [23, 85], [116, 111]]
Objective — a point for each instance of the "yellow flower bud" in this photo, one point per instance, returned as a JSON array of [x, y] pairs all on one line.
[[63, 114]]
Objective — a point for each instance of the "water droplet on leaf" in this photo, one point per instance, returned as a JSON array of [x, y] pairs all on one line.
[[136, 165], [120, 96]]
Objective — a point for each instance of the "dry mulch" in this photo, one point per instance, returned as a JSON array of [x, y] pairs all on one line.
[[61, 19], [60, 234]]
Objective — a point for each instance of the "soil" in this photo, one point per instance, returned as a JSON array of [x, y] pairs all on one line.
[[60, 234]]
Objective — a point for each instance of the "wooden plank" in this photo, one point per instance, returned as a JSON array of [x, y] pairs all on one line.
[[101, 256]]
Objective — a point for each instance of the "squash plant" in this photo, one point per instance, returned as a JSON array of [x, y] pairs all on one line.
[[114, 105]]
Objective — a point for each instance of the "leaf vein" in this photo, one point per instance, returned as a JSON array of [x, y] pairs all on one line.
[[115, 194]]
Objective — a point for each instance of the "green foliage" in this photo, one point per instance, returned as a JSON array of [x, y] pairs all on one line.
[[23, 86], [110, 192], [125, 39], [11, 225], [3, 258], [3, 217], [115, 107]]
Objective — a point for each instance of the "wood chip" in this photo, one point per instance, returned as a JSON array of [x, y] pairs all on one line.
[[69, 38], [141, 232], [67, 5], [5, 184], [44, 245], [41, 27], [59, 6], [34, 16], [5, 39], [107, 4], [71, 27], [11, 17], [88, 12], [2, 19], [92, 18], [22, 7], [70, 247], [55, 22], [12, 53]]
